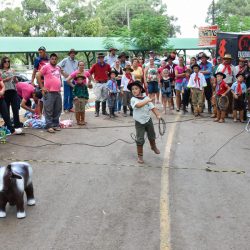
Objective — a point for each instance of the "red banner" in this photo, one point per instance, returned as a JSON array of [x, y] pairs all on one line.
[[208, 35]]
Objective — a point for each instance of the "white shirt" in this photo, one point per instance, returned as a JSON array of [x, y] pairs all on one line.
[[198, 84], [110, 59], [141, 115], [124, 82], [229, 77]]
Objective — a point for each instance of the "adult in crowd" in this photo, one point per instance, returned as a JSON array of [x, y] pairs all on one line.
[[39, 62], [229, 70], [123, 57], [170, 66], [4, 111], [119, 72], [247, 75], [51, 88], [7, 75], [174, 56], [26, 92], [111, 58], [241, 67], [193, 61], [80, 71], [218, 62], [157, 61], [179, 76], [138, 74], [206, 68], [141, 62], [151, 79], [68, 65], [100, 70]]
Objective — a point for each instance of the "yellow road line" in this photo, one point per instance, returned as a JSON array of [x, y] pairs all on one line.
[[164, 199]]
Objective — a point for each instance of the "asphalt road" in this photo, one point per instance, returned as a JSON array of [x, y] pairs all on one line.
[[99, 198]]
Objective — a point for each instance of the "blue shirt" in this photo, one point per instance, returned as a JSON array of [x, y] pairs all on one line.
[[112, 86], [40, 61], [68, 65], [185, 83], [207, 67], [243, 86]]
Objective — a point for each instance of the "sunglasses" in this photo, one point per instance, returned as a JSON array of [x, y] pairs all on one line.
[[6, 61]]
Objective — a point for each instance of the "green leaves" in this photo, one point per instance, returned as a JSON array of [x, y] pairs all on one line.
[[141, 22], [231, 16]]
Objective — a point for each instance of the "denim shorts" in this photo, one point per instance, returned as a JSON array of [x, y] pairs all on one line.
[[167, 94], [178, 86], [153, 87]]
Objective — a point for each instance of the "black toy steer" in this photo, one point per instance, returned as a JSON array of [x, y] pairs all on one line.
[[14, 180]]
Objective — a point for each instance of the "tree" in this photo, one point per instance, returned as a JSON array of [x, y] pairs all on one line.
[[230, 15], [13, 23], [149, 31], [39, 16], [116, 15], [77, 18]]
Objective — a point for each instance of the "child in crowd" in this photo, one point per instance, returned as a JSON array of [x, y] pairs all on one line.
[[143, 122], [127, 79], [165, 85], [221, 90], [197, 83], [112, 92], [239, 90], [186, 90], [81, 96]]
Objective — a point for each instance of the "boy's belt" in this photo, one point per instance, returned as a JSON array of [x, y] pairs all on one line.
[[101, 81]]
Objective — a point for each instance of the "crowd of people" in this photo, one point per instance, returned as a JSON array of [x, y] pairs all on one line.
[[223, 87]]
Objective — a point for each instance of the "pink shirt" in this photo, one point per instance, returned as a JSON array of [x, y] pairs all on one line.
[[180, 71], [25, 90], [52, 77], [77, 72]]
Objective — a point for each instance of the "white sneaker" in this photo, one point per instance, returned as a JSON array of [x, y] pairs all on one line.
[[18, 131]]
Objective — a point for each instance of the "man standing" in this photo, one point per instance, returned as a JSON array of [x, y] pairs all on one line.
[[229, 70], [68, 65], [242, 67], [111, 58], [207, 69], [51, 93], [39, 62], [123, 57], [100, 70]]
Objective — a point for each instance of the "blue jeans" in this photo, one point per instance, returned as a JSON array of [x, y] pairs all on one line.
[[67, 96], [118, 105]]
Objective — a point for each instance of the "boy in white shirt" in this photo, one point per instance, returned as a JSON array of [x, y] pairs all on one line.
[[197, 82], [143, 122]]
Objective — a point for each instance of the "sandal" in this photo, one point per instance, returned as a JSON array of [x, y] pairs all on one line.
[[51, 130], [57, 128]]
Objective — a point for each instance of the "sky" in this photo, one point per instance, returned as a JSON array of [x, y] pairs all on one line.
[[189, 13]]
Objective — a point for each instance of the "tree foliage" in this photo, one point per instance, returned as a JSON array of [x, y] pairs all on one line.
[[230, 15], [149, 31], [143, 22]]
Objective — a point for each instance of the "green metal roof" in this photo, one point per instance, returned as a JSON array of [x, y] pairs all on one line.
[[62, 44]]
